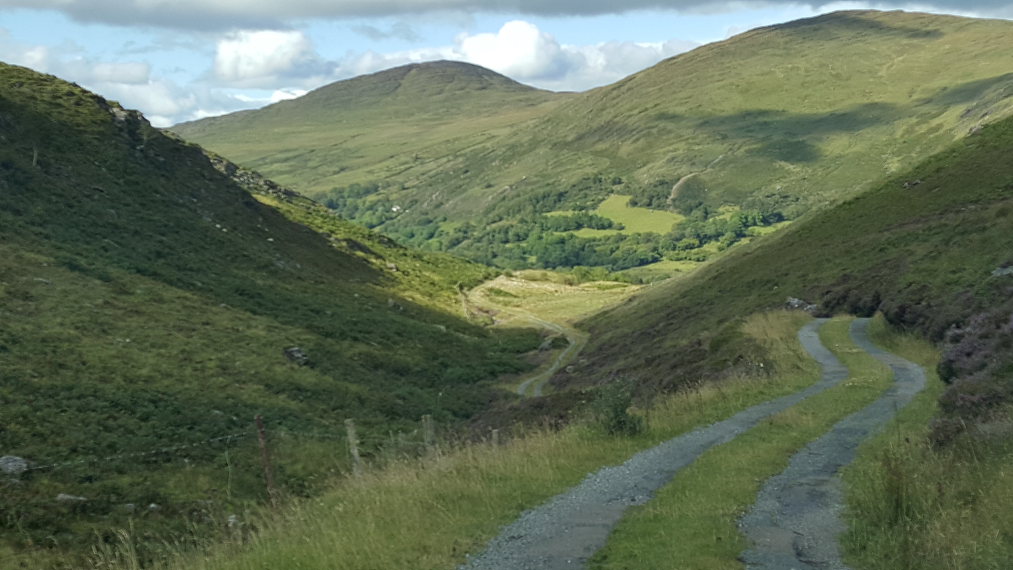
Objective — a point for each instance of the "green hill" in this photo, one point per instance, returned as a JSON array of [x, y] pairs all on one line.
[[147, 302], [769, 125], [371, 127], [931, 248]]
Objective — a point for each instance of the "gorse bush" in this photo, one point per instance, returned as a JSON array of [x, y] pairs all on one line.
[[610, 409]]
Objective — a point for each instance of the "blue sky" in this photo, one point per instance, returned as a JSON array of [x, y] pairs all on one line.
[[178, 60]]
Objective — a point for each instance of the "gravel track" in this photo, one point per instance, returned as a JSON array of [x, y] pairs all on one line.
[[567, 530], [795, 522]]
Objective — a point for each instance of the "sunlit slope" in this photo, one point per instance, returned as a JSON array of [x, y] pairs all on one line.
[[778, 120], [807, 111]]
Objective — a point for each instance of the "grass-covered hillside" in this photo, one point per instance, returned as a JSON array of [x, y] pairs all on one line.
[[147, 302], [932, 248], [372, 127], [769, 124]]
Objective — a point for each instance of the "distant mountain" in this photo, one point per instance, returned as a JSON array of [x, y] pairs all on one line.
[[359, 129], [149, 301], [771, 123]]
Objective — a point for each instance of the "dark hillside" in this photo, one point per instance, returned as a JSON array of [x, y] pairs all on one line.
[[146, 301]]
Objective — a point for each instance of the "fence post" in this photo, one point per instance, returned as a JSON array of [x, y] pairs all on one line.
[[353, 447], [428, 432], [495, 438], [265, 459]]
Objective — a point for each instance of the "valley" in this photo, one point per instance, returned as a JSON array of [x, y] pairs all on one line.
[[382, 324]]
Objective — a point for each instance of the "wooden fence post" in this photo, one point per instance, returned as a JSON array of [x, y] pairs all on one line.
[[495, 438], [265, 459], [428, 432], [353, 447]]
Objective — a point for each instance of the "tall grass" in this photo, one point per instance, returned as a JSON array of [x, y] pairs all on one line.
[[912, 506], [429, 513]]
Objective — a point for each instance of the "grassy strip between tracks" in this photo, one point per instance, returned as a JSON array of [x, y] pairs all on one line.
[[429, 513], [692, 522], [913, 505]]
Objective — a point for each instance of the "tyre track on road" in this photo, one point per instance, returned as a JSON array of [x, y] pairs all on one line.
[[567, 530], [796, 519]]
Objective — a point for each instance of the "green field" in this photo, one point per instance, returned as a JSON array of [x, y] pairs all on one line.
[[633, 219]]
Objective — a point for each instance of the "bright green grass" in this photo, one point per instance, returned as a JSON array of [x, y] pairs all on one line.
[[556, 302], [427, 514], [634, 219], [692, 522], [912, 506]]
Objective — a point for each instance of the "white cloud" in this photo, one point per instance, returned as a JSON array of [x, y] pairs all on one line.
[[132, 73], [261, 57], [286, 94], [519, 50]]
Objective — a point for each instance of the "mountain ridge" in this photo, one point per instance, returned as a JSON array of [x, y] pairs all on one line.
[[776, 122]]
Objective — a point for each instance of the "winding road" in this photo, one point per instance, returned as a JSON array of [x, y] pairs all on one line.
[[534, 383], [567, 530], [796, 519]]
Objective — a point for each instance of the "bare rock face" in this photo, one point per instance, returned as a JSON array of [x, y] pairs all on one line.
[[13, 466], [297, 355]]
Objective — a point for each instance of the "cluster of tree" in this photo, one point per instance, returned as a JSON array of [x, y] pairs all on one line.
[[516, 233], [656, 195], [701, 229]]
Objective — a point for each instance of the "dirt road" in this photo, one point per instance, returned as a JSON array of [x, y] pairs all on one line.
[[795, 522], [796, 519], [565, 532]]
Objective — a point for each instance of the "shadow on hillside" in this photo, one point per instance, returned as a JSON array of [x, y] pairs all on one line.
[[782, 135], [1000, 86], [841, 25]]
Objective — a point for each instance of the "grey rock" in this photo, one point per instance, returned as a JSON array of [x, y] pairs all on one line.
[[1003, 271], [12, 465], [796, 304], [297, 355]]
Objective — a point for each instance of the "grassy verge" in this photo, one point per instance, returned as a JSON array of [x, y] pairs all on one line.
[[691, 523], [431, 512], [913, 506]]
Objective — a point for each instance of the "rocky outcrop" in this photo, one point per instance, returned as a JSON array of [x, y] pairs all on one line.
[[796, 304]]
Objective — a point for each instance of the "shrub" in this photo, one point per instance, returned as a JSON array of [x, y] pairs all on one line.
[[610, 409]]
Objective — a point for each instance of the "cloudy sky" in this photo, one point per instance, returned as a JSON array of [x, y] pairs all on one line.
[[178, 60]]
